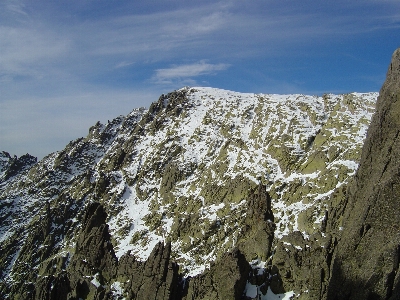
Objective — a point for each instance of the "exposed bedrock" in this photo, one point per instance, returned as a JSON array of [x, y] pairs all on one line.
[[226, 279], [367, 259], [94, 268]]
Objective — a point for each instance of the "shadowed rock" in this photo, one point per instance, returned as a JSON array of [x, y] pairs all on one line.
[[300, 264], [226, 279], [157, 278]]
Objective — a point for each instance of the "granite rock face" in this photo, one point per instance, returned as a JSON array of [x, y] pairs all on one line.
[[302, 265], [157, 278], [224, 280], [366, 264]]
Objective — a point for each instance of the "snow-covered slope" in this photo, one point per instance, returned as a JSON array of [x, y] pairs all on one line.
[[183, 170]]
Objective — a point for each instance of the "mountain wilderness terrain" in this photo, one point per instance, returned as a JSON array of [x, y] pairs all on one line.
[[213, 194]]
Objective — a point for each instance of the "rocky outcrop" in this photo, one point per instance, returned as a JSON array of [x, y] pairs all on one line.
[[94, 259], [256, 236], [302, 265], [94, 268], [157, 278], [224, 280], [367, 259], [11, 166]]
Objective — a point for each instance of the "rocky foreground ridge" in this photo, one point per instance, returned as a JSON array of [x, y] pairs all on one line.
[[366, 263], [212, 194]]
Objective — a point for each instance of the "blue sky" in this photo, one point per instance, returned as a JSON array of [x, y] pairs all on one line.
[[66, 64]]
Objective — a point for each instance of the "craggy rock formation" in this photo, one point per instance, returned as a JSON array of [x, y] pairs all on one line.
[[11, 166], [157, 278], [225, 279], [366, 264], [94, 268], [92, 265], [94, 256], [255, 239], [302, 265]]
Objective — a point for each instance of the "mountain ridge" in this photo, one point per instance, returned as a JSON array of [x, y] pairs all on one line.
[[207, 170]]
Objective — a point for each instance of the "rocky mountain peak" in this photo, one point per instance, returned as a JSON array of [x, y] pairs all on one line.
[[393, 73], [207, 194]]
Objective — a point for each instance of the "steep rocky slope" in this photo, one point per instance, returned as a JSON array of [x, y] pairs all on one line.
[[11, 166], [204, 186], [367, 261]]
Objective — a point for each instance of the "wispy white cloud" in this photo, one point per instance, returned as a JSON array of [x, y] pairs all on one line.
[[16, 7], [25, 51], [188, 71], [155, 36], [124, 64], [217, 31]]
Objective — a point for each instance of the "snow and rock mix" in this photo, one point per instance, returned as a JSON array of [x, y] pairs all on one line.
[[182, 171]]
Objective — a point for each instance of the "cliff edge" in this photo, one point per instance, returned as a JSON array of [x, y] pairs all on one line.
[[367, 258]]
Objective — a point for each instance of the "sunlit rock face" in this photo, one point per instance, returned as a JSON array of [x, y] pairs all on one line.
[[367, 260], [210, 173]]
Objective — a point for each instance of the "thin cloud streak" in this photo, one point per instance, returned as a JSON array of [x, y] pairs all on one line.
[[124, 64], [184, 72], [25, 50], [167, 35]]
